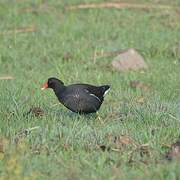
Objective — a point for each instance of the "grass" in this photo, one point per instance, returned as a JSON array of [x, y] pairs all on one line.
[[66, 144]]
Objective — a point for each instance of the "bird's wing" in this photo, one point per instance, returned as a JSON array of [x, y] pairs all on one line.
[[82, 101], [93, 95]]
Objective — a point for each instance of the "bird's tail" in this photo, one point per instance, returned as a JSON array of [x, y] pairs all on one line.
[[105, 89]]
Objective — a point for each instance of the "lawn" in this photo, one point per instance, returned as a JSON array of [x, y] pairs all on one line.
[[134, 128]]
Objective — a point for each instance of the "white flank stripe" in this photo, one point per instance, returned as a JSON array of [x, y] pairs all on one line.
[[95, 97]]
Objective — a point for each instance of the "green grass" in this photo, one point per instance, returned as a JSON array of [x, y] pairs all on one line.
[[66, 144]]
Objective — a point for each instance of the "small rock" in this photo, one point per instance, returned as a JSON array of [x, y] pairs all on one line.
[[129, 60], [139, 85], [67, 56], [174, 151], [36, 111]]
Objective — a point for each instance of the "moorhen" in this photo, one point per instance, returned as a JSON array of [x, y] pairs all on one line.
[[79, 98]]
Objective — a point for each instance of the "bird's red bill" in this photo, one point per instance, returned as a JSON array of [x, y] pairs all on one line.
[[45, 86]]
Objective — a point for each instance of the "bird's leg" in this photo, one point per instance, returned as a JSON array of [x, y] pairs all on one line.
[[99, 118]]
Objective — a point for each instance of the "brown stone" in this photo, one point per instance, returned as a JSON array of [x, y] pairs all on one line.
[[129, 60]]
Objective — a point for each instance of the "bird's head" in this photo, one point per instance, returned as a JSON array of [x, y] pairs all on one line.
[[52, 83]]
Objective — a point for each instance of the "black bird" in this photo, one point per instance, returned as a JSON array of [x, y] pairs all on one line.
[[79, 98]]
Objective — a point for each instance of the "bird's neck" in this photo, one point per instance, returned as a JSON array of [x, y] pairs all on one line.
[[58, 89]]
